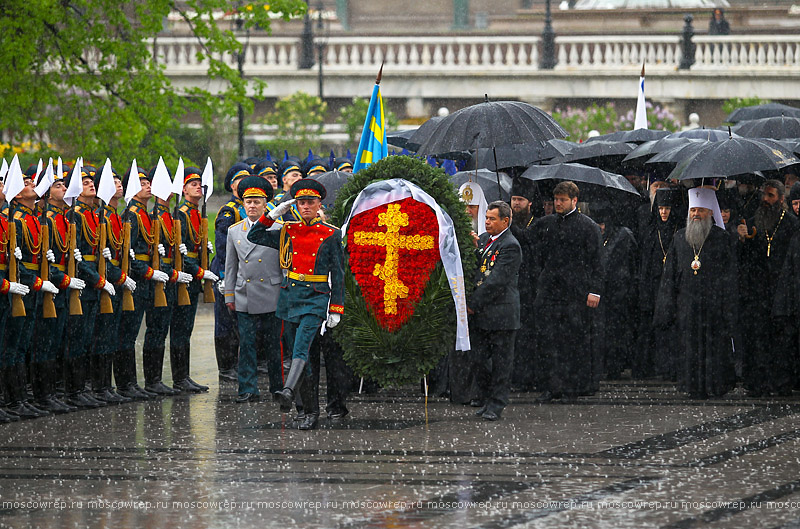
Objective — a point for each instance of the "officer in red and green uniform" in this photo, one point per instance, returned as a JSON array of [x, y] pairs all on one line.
[[183, 317], [226, 337], [20, 329], [107, 326], [145, 276], [6, 288], [311, 253]]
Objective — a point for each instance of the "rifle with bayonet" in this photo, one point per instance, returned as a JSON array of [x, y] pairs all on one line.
[[48, 306], [125, 260], [208, 287], [75, 307], [159, 296], [106, 307], [17, 305], [183, 291]]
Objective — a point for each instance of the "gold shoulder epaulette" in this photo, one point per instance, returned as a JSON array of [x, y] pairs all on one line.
[[232, 225], [17, 215], [184, 208]]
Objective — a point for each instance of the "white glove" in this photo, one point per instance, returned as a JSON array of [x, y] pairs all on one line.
[[184, 278], [333, 320], [47, 286], [210, 247], [108, 287], [129, 284], [76, 284], [160, 276], [50, 256], [161, 251], [221, 286], [182, 249], [133, 254], [78, 256], [280, 209], [107, 253], [208, 274], [18, 253], [18, 288]]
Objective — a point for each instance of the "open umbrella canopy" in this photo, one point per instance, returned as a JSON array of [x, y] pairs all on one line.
[[577, 172], [777, 128], [491, 124], [665, 161], [399, 138], [631, 136], [649, 149], [333, 181], [606, 155], [487, 180], [766, 110], [414, 138], [519, 155], [703, 134], [732, 157]]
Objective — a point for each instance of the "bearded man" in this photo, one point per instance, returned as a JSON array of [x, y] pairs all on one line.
[[699, 290], [763, 246]]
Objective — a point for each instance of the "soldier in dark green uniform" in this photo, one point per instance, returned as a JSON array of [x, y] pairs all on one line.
[[311, 253], [107, 326], [226, 337], [19, 330], [145, 276], [182, 322]]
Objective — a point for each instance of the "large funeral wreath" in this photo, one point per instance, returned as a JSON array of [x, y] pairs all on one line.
[[405, 345]]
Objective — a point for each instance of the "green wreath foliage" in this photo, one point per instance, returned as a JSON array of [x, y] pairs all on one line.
[[404, 356]]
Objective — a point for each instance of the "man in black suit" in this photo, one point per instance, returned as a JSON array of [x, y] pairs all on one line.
[[494, 309], [569, 286]]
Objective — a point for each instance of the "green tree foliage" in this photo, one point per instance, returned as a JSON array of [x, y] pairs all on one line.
[[81, 74], [738, 102], [352, 118], [300, 121]]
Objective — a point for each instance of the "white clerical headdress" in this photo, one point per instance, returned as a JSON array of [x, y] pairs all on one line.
[[703, 197], [472, 195]]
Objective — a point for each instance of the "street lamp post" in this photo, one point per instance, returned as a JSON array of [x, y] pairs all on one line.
[[307, 44], [548, 60], [320, 46]]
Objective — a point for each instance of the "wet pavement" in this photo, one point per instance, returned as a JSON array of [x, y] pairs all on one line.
[[637, 454]]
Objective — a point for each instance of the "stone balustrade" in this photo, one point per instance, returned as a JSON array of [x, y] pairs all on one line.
[[493, 54]]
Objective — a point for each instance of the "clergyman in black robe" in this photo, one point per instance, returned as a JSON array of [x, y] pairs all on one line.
[[568, 288], [699, 292]]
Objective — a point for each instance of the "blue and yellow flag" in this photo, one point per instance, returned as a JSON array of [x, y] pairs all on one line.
[[372, 146]]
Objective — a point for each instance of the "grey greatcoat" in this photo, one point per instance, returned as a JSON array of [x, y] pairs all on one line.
[[252, 273]]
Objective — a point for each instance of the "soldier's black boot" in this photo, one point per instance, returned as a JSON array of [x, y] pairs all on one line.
[[310, 404], [286, 395], [179, 360], [74, 386], [5, 416], [14, 404], [86, 365], [104, 390], [153, 366], [44, 389]]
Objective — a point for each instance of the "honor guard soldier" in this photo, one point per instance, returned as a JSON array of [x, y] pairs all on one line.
[[314, 167], [226, 339], [107, 327], [183, 317], [289, 172], [343, 165], [6, 288], [267, 170], [20, 329], [80, 328], [310, 253], [255, 276], [157, 318], [51, 332], [142, 238]]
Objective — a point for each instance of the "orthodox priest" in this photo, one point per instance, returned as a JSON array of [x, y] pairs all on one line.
[[699, 293], [568, 288]]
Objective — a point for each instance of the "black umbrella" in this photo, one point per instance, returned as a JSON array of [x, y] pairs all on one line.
[[664, 162], [419, 135], [519, 155], [579, 173], [736, 156], [777, 128], [703, 134], [333, 181], [606, 155], [399, 138], [631, 136], [767, 110], [649, 149], [487, 180]]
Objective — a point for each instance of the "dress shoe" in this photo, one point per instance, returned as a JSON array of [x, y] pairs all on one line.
[[285, 399], [200, 387], [490, 415], [310, 422], [338, 417], [184, 386], [88, 395], [159, 388], [228, 375], [285, 408], [148, 394], [481, 411], [247, 397], [131, 393], [53, 405], [7, 417]]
